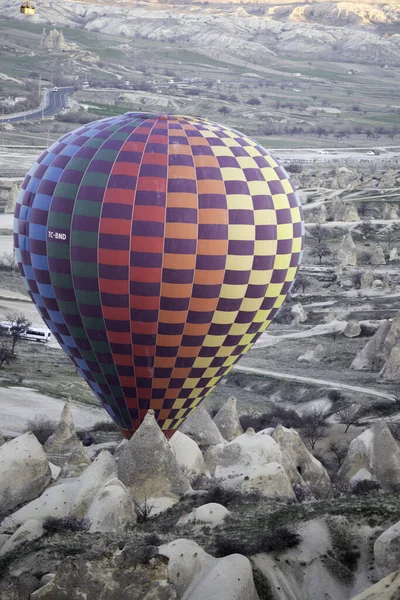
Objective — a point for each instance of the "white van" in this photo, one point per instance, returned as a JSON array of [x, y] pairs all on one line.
[[36, 335]]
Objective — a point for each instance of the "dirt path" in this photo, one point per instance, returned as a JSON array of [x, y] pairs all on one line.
[[19, 405], [322, 382]]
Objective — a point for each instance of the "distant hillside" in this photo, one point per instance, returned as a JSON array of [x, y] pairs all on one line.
[[351, 32]]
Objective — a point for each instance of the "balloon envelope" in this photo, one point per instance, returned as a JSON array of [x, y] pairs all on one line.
[[157, 249]]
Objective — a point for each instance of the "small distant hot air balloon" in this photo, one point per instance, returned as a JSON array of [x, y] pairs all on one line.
[[157, 249]]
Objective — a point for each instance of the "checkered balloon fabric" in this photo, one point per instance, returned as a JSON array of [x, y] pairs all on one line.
[[157, 249]]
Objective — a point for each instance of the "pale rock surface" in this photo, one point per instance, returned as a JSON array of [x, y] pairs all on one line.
[[24, 471], [394, 255], [117, 576], [391, 370], [358, 459], [347, 212], [148, 467], [2, 440], [367, 279], [362, 475], [393, 336], [211, 457], [186, 560], [347, 254], [311, 470], [56, 502], [245, 452], [12, 198], [352, 329], [390, 212], [371, 356], [188, 455], [30, 530], [230, 578], [313, 356], [386, 589], [198, 576], [270, 480], [377, 283], [119, 448], [112, 508], [387, 550], [201, 428], [376, 452], [377, 256], [227, 420], [211, 514], [298, 314], [55, 471], [65, 446], [76, 463], [97, 474]]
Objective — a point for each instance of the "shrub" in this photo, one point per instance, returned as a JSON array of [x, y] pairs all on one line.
[[41, 427], [276, 540], [294, 168], [56, 524], [365, 486], [105, 426], [221, 495]]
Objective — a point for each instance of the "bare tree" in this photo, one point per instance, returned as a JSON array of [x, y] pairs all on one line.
[[319, 234], [20, 324], [321, 251], [349, 415], [340, 452], [315, 425], [6, 355]]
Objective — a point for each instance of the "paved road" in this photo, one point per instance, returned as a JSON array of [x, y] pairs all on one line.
[[322, 382], [56, 101]]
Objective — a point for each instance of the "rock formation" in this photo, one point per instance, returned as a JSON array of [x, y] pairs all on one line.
[[352, 329], [367, 278], [24, 471], [387, 550], [64, 446], [201, 428], [346, 212], [376, 453], [133, 572], [112, 508], [148, 467], [227, 420], [386, 589], [394, 255], [188, 455], [390, 212], [212, 514], [30, 530], [247, 451], [198, 576], [371, 357], [298, 314], [377, 256], [102, 469], [313, 356], [12, 198], [311, 470], [54, 41], [347, 254], [391, 351]]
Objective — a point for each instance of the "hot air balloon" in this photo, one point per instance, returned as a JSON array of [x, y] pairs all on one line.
[[157, 249]]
